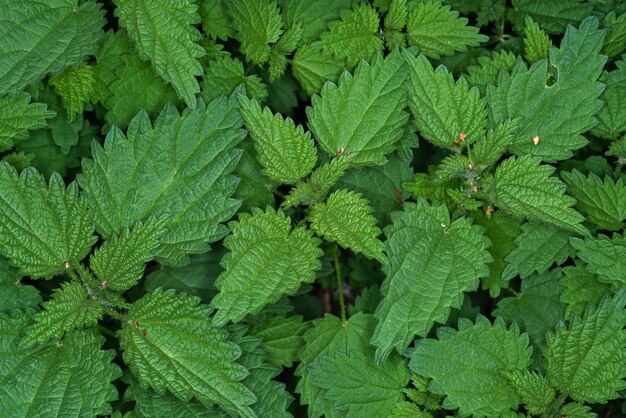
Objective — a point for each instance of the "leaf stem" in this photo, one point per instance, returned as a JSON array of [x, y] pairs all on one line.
[[342, 303]]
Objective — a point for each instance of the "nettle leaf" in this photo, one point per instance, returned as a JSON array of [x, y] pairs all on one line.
[[546, 110], [364, 113], [346, 218], [38, 38], [526, 188], [266, 255], [177, 170], [580, 289], [431, 262], [69, 308], [314, 67], [76, 86], [120, 261], [605, 257], [552, 16], [151, 404], [258, 23], [586, 359], [163, 33], [350, 379], [316, 15], [603, 202], [18, 116], [13, 293], [537, 43], [612, 117], [442, 108], [355, 36], [286, 152], [616, 36], [47, 380], [42, 227], [436, 30], [216, 22], [537, 248], [282, 338], [536, 308], [225, 74], [170, 344], [488, 150], [485, 72], [535, 390], [474, 357]]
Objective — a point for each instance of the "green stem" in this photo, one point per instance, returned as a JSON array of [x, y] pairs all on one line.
[[106, 331], [342, 303]]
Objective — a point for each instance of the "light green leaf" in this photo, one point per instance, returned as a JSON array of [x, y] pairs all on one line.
[[442, 108], [605, 257], [436, 30], [526, 188], [42, 227], [170, 344], [313, 67], [534, 389], [485, 72], [474, 357], [346, 218], [177, 170], [612, 117], [488, 149], [76, 86], [47, 380], [286, 152], [321, 180], [364, 114], [267, 255], [577, 410], [545, 110], [18, 116], [225, 74], [580, 289], [431, 262], [537, 43], [586, 359], [215, 19], [41, 37], [615, 41], [164, 33]]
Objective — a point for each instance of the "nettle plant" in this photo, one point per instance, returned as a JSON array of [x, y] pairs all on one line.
[[415, 208]]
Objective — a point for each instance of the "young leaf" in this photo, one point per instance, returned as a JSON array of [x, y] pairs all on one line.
[[286, 152], [170, 344], [474, 357], [120, 261], [586, 359], [485, 72], [603, 202], [265, 255], [436, 30], [605, 257], [364, 114], [525, 94], [322, 179], [612, 117], [442, 108], [313, 67], [431, 262], [177, 170], [349, 380], [525, 188], [537, 44], [42, 227], [537, 248], [18, 116], [580, 289], [163, 33], [47, 380], [487, 150], [225, 74], [534, 389], [76, 86], [38, 38], [346, 218], [282, 338]]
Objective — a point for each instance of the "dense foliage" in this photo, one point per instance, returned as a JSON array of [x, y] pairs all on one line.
[[274, 208]]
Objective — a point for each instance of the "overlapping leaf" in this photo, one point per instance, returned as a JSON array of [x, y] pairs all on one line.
[[18, 116], [605, 257]]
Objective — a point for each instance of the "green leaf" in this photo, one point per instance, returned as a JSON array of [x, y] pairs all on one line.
[[580, 289], [537, 248], [170, 344], [13, 293], [488, 149], [18, 116], [164, 33], [612, 117], [442, 108], [177, 170], [605, 257], [76, 86], [616, 36], [431, 262], [38, 38], [586, 359], [254, 190], [485, 72], [69, 308], [258, 23], [286, 152], [346, 218], [436, 30], [282, 338], [320, 182], [48, 380], [287, 43], [120, 261], [267, 255], [42, 227], [534, 389], [225, 74], [602, 202], [536, 309], [525, 188], [545, 110], [317, 15], [349, 380], [215, 19], [313, 67], [576, 410], [473, 357], [537, 44], [363, 114], [552, 16], [355, 36]]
